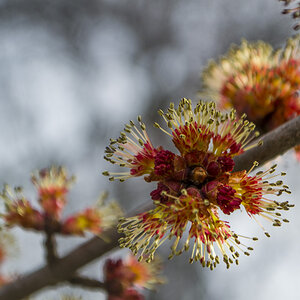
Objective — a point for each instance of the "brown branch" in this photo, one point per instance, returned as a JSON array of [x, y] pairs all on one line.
[[86, 282], [275, 143], [61, 270], [50, 247], [50, 242]]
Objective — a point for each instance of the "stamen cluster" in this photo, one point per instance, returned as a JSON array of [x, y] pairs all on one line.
[[52, 188], [123, 277], [254, 79], [194, 186]]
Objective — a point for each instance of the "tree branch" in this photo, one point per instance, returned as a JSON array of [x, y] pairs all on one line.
[[85, 282], [50, 247], [274, 143], [61, 270], [50, 243]]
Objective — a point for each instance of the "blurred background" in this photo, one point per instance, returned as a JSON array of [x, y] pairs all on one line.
[[73, 72]]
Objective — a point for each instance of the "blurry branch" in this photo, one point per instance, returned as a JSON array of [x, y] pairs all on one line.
[[63, 269], [85, 282], [50, 244]]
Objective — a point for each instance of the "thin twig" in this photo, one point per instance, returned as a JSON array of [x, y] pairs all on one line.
[[51, 226], [86, 282], [61, 270], [50, 247], [275, 143], [50, 243]]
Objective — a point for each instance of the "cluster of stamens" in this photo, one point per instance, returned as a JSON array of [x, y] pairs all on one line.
[[134, 152], [195, 186], [255, 79]]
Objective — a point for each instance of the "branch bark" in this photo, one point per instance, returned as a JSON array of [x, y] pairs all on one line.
[[50, 247], [50, 243], [61, 270], [85, 282], [274, 143]]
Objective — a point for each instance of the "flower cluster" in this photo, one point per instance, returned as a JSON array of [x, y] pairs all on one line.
[[52, 187], [122, 277], [196, 185], [256, 80]]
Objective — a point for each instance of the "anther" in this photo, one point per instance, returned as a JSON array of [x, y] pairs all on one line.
[[143, 126], [160, 112], [206, 202], [184, 192]]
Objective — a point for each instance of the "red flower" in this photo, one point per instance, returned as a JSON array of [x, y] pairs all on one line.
[[122, 277], [52, 185], [196, 185], [226, 199], [254, 79], [164, 163]]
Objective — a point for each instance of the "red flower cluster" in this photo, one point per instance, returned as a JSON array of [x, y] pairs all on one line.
[[195, 185], [123, 277], [52, 187], [256, 80]]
